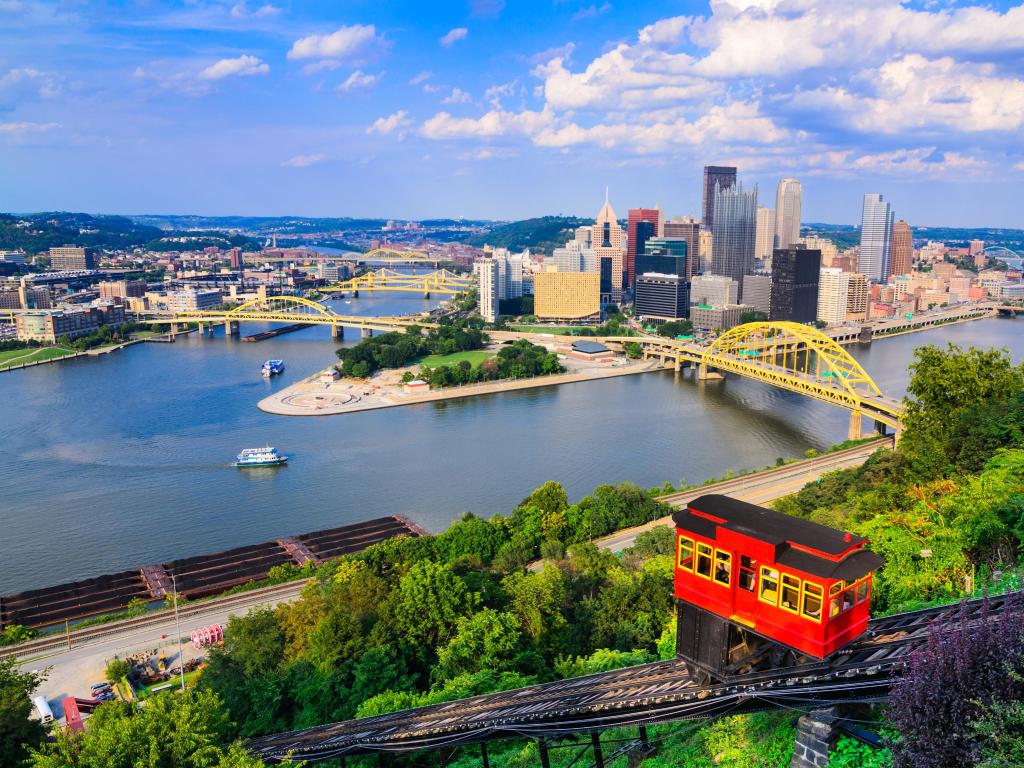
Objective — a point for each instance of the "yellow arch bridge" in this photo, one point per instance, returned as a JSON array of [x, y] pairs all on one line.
[[377, 256], [790, 356], [441, 281], [285, 309]]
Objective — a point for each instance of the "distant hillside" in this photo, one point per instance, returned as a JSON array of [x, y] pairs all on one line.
[[541, 234], [283, 225], [38, 232], [847, 235]]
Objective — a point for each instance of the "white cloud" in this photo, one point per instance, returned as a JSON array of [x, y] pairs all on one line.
[[241, 11], [493, 123], [453, 36], [28, 81], [457, 96], [563, 52], [396, 123], [421, 77], [591, 11], [666, 32], [347, 43], [21, 128], [241, 66], [496, 93], [303, 161], [359, 80]]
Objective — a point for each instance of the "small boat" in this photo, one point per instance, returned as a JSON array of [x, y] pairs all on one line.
[[272, 367], [347, 301], [260, 457]]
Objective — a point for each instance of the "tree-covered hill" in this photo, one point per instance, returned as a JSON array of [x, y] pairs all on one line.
[[541, 234]]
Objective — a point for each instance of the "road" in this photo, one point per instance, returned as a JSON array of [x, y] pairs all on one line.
[[71, 672]]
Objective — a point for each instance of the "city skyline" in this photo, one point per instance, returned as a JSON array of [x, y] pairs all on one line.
[[265, 108]]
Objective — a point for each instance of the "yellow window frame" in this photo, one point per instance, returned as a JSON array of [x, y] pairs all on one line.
[[679, 554], [866, 586], [783, 586], [806, 588], [704, 550], [765, 574], [722, 557]]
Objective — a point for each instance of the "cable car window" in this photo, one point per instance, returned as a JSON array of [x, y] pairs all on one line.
[[834, 599], [704, 561], [723, 567], [790, 597], [848, 597], [747, 575], [769, 585], [685, 553], [812, 601], [862, 591]]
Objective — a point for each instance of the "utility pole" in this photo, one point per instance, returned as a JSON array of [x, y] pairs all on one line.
[[177, 631]]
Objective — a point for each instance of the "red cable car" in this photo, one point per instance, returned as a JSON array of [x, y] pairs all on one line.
[[757, 588]]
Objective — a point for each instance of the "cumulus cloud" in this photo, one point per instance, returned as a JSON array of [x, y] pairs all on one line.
[[457, 96], [453, 36], [29, 81], [241, 11], [397, 123], [421, 77], [347, 43], [23, 128], [359, 80], [242, 66], [303, 161]]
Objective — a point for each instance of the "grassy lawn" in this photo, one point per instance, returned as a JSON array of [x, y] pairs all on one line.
[[19, 356], [557, 330], [475, 357]]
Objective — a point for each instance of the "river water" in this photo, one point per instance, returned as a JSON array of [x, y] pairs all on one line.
[[126, 459]]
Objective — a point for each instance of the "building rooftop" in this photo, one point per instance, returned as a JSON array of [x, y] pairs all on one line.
[[589, 347]]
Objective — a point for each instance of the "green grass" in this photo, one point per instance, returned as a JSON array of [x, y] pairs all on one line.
[[19, 356], [475, 357], [557, 330]]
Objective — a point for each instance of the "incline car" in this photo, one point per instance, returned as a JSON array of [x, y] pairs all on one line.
[[758, 589]]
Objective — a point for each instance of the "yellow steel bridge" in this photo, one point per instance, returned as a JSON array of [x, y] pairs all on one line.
[[441, 281], [790, 356]]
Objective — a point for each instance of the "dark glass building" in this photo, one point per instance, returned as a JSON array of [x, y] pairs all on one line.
[[661, 297], [733, 234], [665, 255], [795, 276], [722, 175]]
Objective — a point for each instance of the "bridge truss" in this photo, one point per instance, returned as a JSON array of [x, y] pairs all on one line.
[[440, 281], [643, 695]]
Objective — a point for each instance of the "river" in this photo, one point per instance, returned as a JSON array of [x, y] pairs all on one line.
[[126, 459]]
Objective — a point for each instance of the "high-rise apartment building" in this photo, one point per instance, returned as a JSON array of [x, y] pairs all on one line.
[[857, 298], [70, 257], [122, 289], [713, 291], [734, 232], [235, 257], [715, 176], [572, 257], [833, 295], [977, 251], [687, 229], [795, 276], [902, 249], [486, 271], [765, 238], [788, 204], [875, 238], [641, 224], [607, 241]]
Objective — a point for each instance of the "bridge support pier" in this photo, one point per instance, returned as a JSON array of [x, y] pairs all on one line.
[[426, 294], [174, 330], [815, 738], [355, 294], [854, 432], [231, 328], [337, 332]]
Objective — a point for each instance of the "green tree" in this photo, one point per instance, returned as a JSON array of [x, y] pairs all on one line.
[[539, 600], [117, 670], [428, 602], [18, 732], [255, 641], [486, 640]]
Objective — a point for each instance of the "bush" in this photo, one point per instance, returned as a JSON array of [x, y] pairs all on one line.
[[117, 670]]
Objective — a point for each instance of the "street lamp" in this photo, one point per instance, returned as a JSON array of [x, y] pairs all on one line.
[[177, 631]]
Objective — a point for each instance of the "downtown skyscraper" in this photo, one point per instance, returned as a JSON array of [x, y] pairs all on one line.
[[788, 202], [876, 224], [641, 225], [902, 249], [722, 177], [734, 232]]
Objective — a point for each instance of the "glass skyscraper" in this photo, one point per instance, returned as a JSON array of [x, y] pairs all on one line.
[[734, 232], [721, 176], [876, 223]]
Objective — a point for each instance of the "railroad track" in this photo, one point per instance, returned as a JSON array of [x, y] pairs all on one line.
[[185, 610], [642, 695]]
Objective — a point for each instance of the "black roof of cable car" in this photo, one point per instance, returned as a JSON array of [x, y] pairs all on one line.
[[777, 528]]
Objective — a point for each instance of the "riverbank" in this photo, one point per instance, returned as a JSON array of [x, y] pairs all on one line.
[[44, 355], [312, 397]]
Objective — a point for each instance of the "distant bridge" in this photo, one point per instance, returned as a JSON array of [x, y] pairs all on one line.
[[377, 256], [787, 355], [441, 281], [285, 309]]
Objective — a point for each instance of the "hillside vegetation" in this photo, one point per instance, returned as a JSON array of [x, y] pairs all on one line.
[[541, 234]]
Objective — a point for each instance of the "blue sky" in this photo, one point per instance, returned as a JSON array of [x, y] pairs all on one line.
[[510, 109]]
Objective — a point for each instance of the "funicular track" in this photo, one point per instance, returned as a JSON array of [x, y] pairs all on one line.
[[642, 695]]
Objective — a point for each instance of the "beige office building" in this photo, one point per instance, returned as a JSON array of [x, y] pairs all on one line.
[[857, 297], [608, 242], [567, 296], [902, 249], [833, 295], [764, 239], [69, 257]]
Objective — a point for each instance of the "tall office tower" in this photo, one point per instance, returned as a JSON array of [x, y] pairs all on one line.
[[688, 229], [663, 255], [487, 285], [788, 201], [721, 176], [641, 224], [606, 240], [757, 292], [765, 238], [70, 257], [795, 276], [857, 299], [235, 255], [902, 249], [572, 257], [704, 251], [713, 291], [662, 290], [585, 235], [875, 238], [734, 232], [833, 295]]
